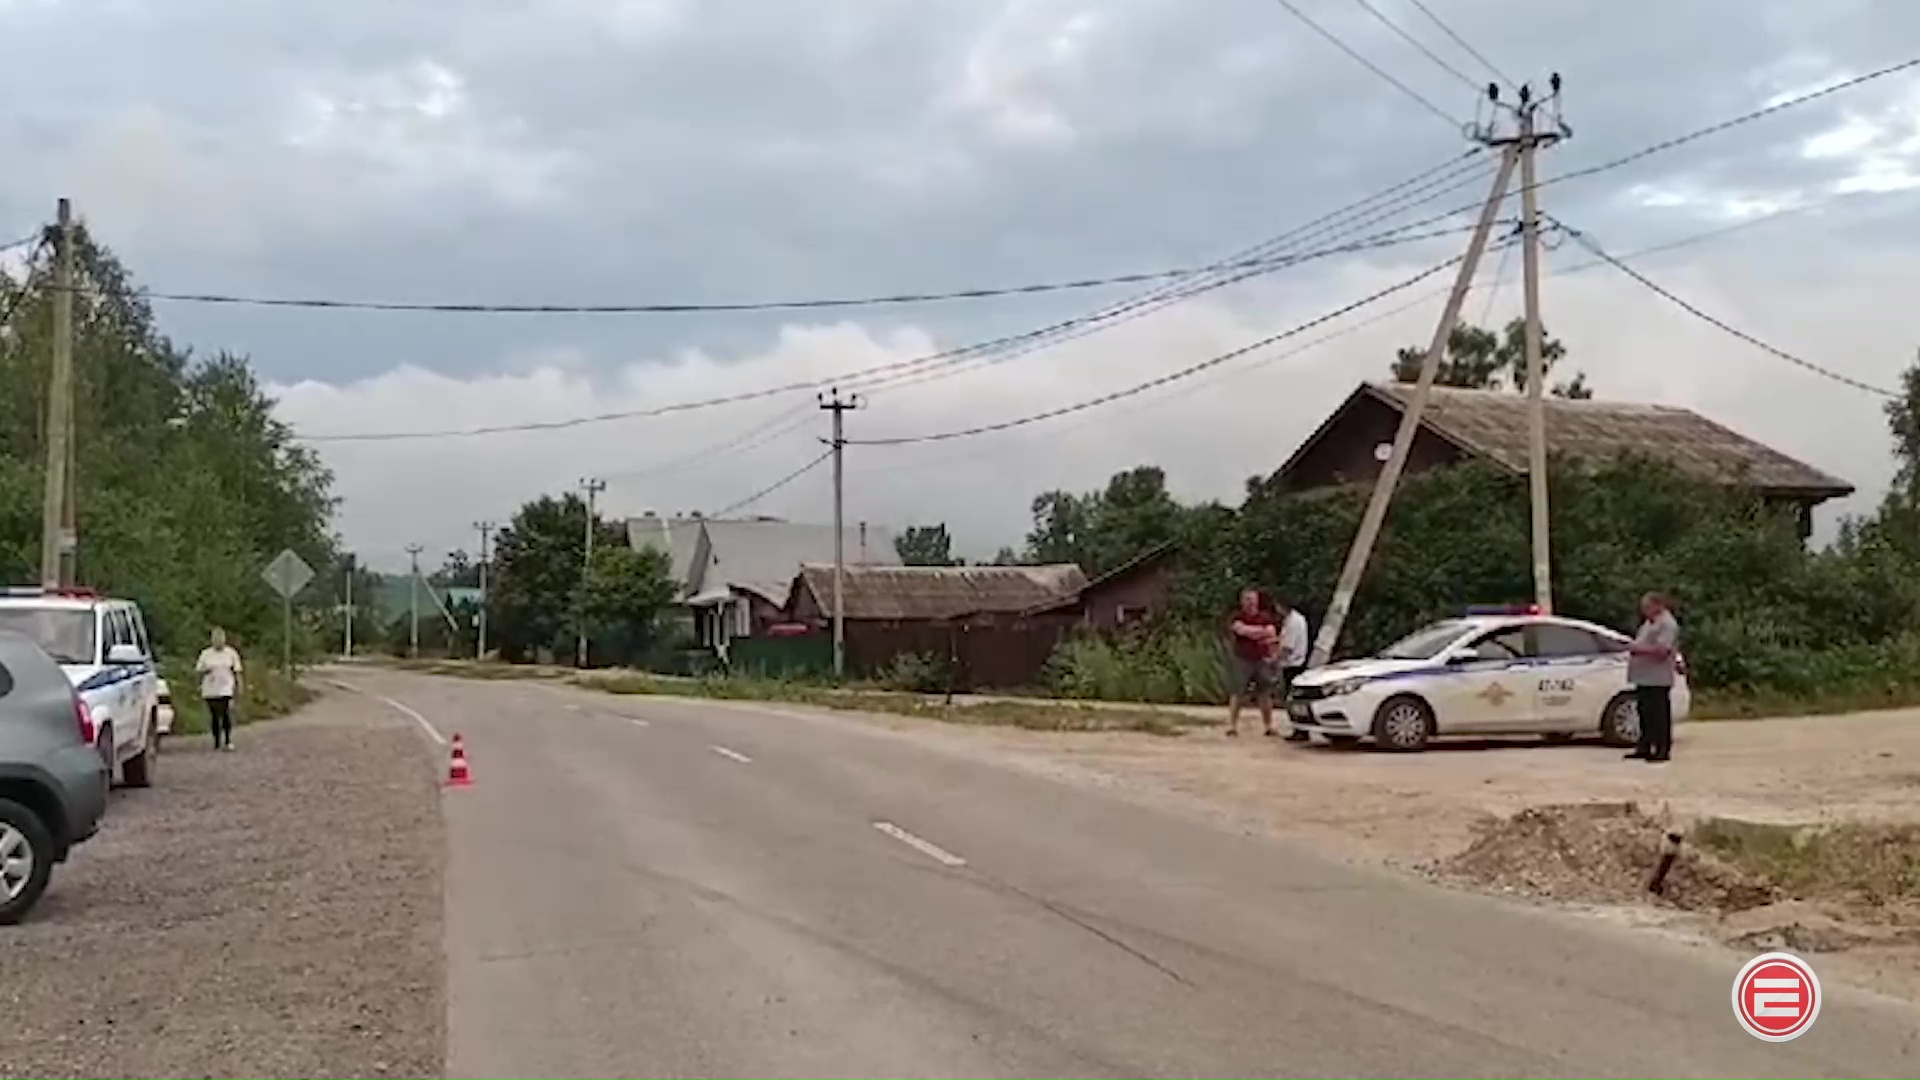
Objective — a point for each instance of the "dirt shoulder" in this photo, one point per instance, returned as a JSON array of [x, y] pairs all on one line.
[[273, 912], [1575, 824]]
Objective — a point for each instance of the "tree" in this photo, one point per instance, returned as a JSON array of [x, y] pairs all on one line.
[[626, 591], [538, 585], [459, 571], [925, 545], [1479, 359], [1103, 529], [1006, 556]]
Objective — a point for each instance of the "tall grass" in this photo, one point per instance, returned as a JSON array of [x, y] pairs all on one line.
[[1169, 664]]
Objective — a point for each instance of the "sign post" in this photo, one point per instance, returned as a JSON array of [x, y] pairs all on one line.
[[287, 574]]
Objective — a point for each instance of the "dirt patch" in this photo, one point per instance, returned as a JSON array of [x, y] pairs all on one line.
[[273, 912]]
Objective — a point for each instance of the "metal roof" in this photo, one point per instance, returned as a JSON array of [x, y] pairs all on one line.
[[941, 592]]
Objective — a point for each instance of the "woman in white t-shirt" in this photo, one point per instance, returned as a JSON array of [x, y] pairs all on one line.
[[219, 668]]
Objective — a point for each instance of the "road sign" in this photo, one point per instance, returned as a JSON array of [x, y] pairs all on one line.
[[1776, 997], [287, 573]]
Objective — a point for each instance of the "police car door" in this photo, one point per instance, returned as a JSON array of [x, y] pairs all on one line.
[[125, 694], [1488, 688], [1570, 663]]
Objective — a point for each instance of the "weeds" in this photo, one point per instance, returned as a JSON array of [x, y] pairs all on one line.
[[1875, 864]]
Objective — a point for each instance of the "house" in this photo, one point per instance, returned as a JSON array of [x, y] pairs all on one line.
[[734, 576], [1491, 425], [1120, 597]]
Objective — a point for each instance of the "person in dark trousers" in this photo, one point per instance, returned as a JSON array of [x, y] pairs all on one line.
[[1295, 640], [1253, 634], [1652, 660], [219, 668]]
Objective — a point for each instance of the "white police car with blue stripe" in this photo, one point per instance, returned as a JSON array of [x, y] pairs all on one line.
[[102, 646], [1504, 671]]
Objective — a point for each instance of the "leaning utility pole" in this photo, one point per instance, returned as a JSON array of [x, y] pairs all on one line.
[[1376, 512], [413, 602], [593, 486], [58, 539], [480, 643], [839, 406]]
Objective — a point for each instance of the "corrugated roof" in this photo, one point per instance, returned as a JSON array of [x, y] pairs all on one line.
[[763, 557], [677, 537], [941, 592], [1493, 424]]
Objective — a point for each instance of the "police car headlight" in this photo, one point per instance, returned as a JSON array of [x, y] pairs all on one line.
[[1344, 686]]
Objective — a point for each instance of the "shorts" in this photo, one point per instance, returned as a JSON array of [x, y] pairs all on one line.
[[1246, 676]]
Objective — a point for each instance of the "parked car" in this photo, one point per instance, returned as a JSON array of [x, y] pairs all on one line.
[[53, 785], [1490, 672], [101, 643]]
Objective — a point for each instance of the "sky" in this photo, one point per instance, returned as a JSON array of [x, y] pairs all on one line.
[[663, 151]]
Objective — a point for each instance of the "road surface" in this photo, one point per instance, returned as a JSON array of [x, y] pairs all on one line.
[[638, 886]]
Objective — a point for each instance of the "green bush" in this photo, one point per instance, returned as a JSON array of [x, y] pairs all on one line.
[[264, 694], [917, 673], [1173, 663]]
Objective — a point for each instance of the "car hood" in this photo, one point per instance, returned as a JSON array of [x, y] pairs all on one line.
[[1365, 668]]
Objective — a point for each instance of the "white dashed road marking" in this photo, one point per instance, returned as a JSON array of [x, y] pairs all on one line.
[[924, 847], [636, 721], [734, 754], [571, 707]]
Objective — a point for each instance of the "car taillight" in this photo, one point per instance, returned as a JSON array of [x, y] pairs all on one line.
[[83, 717]]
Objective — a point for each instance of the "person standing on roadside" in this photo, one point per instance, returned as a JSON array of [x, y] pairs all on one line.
[[1253, 633], [1294, 642], [1652, 659], [219, 668]]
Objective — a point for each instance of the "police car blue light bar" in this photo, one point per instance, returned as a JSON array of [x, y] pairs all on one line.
[[1503, 609]]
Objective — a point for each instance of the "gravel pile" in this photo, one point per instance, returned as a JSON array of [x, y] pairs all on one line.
[[1598, 853], [272, 912]]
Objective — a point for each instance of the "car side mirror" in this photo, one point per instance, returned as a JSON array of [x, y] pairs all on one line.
[[1466, 656], [125, 654]]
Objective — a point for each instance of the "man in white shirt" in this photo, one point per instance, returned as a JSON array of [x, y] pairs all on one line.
[[1295, 640], [219, 668]]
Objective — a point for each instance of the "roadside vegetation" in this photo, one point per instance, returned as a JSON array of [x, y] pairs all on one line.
[[186, 483]]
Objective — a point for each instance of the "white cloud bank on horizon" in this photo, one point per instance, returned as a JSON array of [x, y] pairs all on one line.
[[1210, 432]]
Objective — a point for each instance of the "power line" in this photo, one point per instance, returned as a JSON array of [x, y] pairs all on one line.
[[1462, 42], [810, 303], [1720, 324], [1418, 44], [33, 237], [1193, 369], [752, 438], [775, 486], [1452, 121], [751, 395]]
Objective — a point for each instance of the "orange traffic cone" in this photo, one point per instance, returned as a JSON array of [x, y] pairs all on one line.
[[457, 774]]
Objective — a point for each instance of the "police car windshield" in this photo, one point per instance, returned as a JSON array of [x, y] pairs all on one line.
[[1426, 642], [67, 636]]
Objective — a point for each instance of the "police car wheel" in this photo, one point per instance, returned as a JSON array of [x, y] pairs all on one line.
[[1403, 724], [1620, 722]]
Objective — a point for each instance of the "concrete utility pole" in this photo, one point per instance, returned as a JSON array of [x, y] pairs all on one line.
[[349, 626], [486, 534], [1532, 137], [832, 402], [1376, 512], [593, 486], [57, 537], [413, 601]]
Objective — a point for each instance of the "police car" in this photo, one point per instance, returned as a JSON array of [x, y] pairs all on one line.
[[1498, 671], [101, 644]]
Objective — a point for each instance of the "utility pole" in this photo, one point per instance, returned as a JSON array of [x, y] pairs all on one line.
[[832, 402], [593, 486], [57, 537], [480, 643], [349, 626], [413, 602], [1532, 137], [1376, 512]]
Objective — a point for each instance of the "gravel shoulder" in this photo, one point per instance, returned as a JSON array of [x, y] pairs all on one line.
[[273, 912]]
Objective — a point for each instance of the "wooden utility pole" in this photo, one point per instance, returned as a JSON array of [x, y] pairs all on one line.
[[57, 538], [1376, 512], [839, 407], [480, 639], [413, 601], [1534, 131], [593, 486]]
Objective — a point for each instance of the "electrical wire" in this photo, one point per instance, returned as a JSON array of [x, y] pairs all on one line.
[[1174, 376], [1462, 42], [1453, 122], [33, 237], [1418, 44], [1824, 372], [728, 399], [752, 438], [773, 487]]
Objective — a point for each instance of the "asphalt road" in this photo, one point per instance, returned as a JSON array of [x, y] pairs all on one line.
[[639, 886]]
